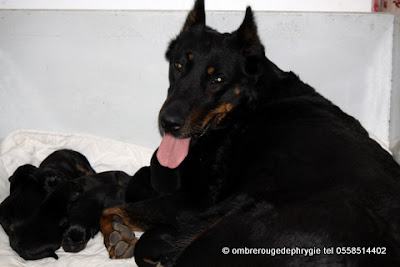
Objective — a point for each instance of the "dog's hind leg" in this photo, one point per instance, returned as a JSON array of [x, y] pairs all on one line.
[[163, 245]]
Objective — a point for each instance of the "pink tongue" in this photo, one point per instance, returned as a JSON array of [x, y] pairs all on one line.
[[172, 151]]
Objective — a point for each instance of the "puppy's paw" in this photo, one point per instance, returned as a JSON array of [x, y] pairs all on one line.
[[119, 239]]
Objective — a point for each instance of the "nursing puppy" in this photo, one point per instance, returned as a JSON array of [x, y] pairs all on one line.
[[26, 194], [30, 185], [69, 162], [100, 191], [41, 235]]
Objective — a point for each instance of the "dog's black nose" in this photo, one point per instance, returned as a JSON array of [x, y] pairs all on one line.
[[171, 122]]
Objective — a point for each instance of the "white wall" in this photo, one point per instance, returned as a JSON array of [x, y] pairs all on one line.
[[394, 131], [104, 73], [271, 5]]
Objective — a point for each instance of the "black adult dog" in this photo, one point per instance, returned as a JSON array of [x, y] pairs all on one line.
[[251, 159]]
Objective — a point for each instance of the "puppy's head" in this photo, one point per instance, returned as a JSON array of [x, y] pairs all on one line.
[[71, 163], [22, 175], [26, 194], [49, 178], [76, 236]]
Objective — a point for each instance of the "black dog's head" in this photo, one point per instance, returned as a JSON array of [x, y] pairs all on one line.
[[26, 194], [210, 74], [82, 222], [21, 175], [69, 162], [76, 236]]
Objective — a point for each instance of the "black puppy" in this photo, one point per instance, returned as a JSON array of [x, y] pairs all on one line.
[[69, 162], [253, 159], [30, 185], [26, 194], [41, 235], [100, 191]]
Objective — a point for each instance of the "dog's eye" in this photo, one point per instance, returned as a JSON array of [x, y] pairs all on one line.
[[178, 66], [218, 80]]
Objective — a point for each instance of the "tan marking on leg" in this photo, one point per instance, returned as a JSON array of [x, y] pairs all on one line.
[[106, 221], [109, 213]]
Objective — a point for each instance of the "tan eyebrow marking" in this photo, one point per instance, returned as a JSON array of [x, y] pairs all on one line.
[[210, 70], [191, 56]]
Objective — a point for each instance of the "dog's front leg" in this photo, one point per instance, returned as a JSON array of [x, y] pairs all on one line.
[[164, 180]]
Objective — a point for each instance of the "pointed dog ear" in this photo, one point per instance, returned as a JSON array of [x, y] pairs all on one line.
[[248, 42], [247, 34], [196, 16]]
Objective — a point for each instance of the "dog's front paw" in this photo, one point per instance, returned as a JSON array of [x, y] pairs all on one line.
[[119, 239]]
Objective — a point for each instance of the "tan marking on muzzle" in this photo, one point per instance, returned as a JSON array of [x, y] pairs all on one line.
[[191, 120], [220, 111]]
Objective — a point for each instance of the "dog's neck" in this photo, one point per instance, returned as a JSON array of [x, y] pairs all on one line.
[[276, 84]]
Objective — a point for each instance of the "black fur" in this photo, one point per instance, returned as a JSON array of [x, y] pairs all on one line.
[[271, 164], [29, 203], [100, 191], [26, 194], [40, 236], [69, 162], [30, 185]]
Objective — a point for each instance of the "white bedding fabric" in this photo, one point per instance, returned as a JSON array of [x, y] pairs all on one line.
[[32, 147]]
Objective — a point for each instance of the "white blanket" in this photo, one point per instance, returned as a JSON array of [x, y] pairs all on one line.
[[32, 147]]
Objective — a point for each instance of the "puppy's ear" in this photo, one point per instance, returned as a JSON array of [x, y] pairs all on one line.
[[196, 17]]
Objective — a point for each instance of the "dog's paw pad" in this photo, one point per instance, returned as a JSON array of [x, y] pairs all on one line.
[[117, 219], [119, 239], [129, 252], [120, 248], [124, 230], [114, 238]]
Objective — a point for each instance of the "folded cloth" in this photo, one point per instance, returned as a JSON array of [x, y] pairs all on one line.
[[31, 147]]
